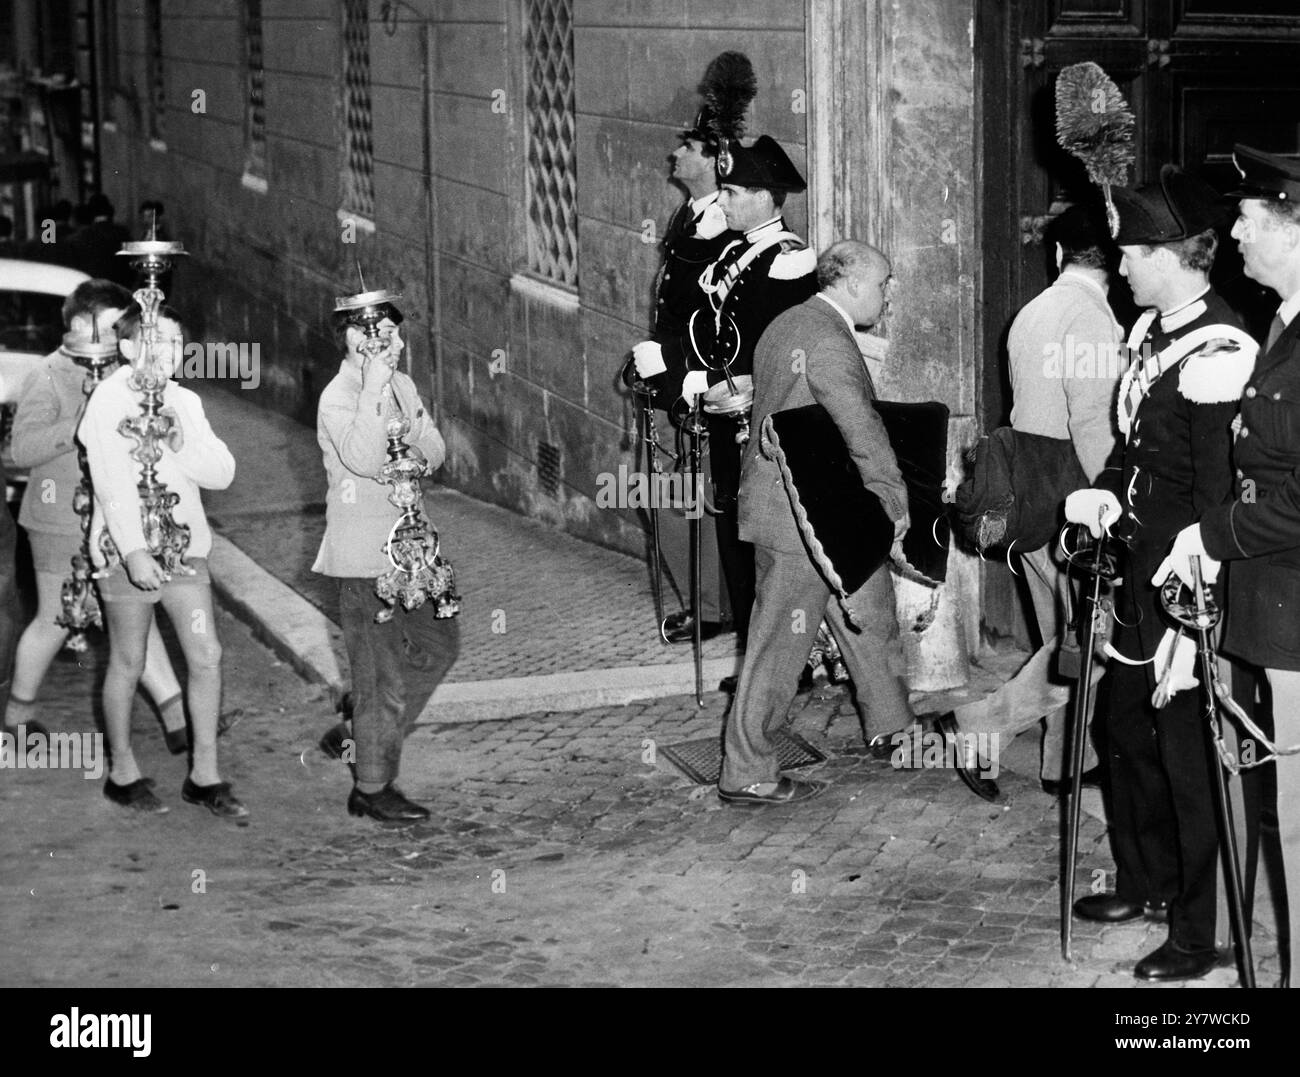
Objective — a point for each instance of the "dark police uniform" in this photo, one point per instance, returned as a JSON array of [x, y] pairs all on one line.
[[696, 237], [1174, 467], [1258, 533], [1175, 411], [757, 277]]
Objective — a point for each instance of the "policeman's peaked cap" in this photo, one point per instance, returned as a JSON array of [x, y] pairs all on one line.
[[1266, 176], [764, 164], [1176, 207]]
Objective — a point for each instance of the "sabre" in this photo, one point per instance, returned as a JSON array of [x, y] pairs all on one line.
[[1204, 620], [650, 438], [1098, 569], [697, 642]]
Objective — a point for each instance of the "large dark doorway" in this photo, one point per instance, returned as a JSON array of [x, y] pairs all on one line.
[[1199, 75]]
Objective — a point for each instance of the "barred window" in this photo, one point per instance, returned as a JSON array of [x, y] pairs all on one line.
[[157, 95], [551, 152], [254, 101], [358, 139]]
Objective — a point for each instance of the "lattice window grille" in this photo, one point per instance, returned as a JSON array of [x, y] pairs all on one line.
[[157, 85], [551, 150], [358, 138], [255, 101]]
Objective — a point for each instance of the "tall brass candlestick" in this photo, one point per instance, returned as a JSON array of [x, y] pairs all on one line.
[[80, 603], [167, 540], [418, 572]]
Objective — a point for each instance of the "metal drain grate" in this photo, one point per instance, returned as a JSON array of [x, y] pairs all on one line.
[[701, 760], [548, 468]]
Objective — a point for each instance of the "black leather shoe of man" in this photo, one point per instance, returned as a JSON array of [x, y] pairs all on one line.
[[1107, 909], [1171, 962], [137, 795], [968, 769], [787, 791], [680, 628], [389, 805]]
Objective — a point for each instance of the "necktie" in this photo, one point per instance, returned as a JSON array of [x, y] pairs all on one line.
[[1274, 331]]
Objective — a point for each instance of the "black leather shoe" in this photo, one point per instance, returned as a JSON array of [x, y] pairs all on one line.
[[1107, 909], [389, 805], [680, 628], [218, 799], [967, 771], [787, 791], [137, 795], [1091, 780], [882, 746], [1171, 962], [334, 743]]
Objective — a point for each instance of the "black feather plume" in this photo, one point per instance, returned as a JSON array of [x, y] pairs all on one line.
[[728, 87]]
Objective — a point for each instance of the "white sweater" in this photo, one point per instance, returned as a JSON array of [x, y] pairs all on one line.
[[203, 462]]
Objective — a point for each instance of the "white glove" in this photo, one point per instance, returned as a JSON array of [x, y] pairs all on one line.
[[1098, 509], [713, 222], [696, 382], [648, 358], [1176, 671], [1188, 543]]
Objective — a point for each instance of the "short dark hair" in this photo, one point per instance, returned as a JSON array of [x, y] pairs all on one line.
[[93, 297], [128, 326], [341, 319], [99, 206], [1195, 252], [1082, 235]]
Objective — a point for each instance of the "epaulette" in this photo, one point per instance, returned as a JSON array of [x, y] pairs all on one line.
[[793, 262], [1217, 373]]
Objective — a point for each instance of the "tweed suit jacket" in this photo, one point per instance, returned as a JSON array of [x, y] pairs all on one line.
[[808, 355]]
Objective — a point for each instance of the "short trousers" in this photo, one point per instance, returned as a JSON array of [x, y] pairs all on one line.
[[53, 553], [117, 585]]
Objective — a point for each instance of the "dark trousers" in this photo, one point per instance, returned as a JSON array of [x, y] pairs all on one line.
[[736, 557], [1163, 823], [395, 668]]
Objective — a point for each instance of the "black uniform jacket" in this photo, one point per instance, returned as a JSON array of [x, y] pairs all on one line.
[[685, 256], [1176, 464], [780, 277], [1260, 529]]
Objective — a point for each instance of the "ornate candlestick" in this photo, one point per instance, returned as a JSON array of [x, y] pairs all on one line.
[[80, 603], [419, 573], [166, 540]]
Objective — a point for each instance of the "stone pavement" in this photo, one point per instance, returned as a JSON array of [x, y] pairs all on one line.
[[561, 851], [548, 620]]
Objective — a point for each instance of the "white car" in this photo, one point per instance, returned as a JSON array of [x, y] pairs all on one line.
[[31, 326]]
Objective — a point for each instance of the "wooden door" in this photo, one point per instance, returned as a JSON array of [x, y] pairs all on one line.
[[1199, 76]]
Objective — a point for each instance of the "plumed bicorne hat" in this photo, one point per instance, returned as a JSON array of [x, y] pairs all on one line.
[[764, 164], [1176, 207], [728, 87]]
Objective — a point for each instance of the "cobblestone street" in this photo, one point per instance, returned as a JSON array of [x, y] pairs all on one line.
[[555, 855]]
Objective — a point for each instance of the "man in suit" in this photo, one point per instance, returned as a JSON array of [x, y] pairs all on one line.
[[696, 237], [1071, 399], [1258, 531], [810, 355], [766, 271], [1190, 362]]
